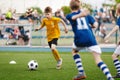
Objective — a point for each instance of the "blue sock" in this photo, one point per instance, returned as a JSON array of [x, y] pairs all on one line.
[[78, 62], [117, 65], [105, 70]]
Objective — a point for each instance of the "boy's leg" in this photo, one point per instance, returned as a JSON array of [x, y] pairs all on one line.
[[116, 61], [52, 45], [77, 59], [96, 51], [105, 70], [78, 62], [55, 52], [57, 56], [117, 66]]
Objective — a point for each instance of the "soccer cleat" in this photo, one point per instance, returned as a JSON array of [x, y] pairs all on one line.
[[79, 77], [59, 64], [110, 79], [117, 76]]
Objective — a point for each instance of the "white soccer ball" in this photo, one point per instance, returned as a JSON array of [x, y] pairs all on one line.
[[32, 65]]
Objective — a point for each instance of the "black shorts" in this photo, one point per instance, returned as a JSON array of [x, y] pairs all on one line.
[[54, 41]]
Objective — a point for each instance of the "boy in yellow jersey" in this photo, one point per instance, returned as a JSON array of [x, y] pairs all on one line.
[[53, 33]]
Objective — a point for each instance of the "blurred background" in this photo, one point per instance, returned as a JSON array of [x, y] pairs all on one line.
[[17, 29]]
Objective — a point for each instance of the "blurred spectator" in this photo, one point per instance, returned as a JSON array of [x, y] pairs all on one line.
[[59, 13], [14, 16], [28, 15], [104, 14], [8, 15], [102, 32], [86, 10], [2, 17], [98, 18], [19, 34], [36, 16], [23, 38], [101, 10], [1, 35], [95, 11], [112, 14]]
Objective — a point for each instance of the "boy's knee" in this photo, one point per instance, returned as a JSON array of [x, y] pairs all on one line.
[[114, 56], [52, 49], [74, 51]]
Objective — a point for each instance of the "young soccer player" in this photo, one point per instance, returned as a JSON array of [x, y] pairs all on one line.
[[84, 38], [117, 51], [53, 33]]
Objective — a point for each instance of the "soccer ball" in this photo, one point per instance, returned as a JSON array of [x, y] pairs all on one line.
[[32, 65]]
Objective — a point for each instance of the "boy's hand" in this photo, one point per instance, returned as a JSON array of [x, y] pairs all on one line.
[[66, 30], [36, 29]]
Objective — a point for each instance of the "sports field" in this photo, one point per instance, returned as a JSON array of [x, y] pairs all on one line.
[[47, 64]]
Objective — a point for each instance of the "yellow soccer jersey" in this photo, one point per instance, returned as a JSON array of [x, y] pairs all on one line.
[[52, 27]]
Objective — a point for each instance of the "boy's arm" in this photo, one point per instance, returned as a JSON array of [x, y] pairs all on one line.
[[92, 21], [113, 30], [66, 30], [82, 14], [40, 27]]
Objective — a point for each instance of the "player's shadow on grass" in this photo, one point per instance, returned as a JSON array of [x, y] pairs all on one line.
[[32, 70]]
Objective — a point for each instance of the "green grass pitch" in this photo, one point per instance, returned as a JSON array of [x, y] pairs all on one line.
[[47, 66]]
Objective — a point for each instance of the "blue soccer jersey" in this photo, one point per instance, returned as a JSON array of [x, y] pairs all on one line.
[[118, 22], [83, 35]]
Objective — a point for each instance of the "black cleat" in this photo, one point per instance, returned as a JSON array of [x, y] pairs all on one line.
[[117, 76]]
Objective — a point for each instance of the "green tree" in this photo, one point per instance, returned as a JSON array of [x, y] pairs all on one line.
[[66, 10], [117, 1], [38, 9]]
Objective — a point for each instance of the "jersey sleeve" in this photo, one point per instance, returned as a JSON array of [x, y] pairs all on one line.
[[68, 17], [91, 20], [43, 23], [57, 19]]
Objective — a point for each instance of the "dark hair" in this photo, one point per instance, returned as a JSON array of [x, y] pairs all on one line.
[[75, 4], [76, 1], [48, 10]]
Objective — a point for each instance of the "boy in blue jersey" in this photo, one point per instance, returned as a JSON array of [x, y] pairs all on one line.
[[84, 38], [116, 53]]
